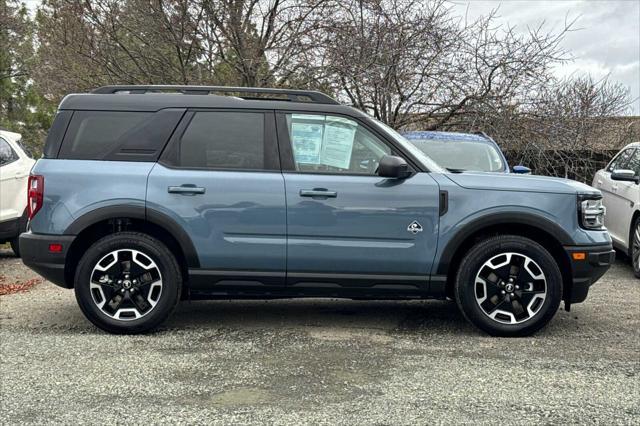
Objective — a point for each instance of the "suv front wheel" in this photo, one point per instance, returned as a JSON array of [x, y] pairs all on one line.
[[508, 286], [127, 283]]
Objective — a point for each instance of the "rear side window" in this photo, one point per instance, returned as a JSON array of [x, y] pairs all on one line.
[[7, 154], [118, 135], [231, 140]]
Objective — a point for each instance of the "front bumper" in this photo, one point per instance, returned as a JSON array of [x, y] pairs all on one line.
[[585, 272], [34, 249]]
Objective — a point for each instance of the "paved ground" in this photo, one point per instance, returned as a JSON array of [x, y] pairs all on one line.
[[319, 361]]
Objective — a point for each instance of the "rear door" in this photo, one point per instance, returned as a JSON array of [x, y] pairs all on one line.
[[348, 227], [219, 178], [12, 183]]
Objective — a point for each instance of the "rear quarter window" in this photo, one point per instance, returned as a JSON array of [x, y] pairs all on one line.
[[118, 135]]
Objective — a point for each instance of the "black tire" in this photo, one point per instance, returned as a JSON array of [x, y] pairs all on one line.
[[15, 246], [15, 242], [167, 299], [634, 250], [473, 264]]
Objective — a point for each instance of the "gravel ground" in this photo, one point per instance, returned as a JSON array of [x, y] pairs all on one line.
[[319, 361]]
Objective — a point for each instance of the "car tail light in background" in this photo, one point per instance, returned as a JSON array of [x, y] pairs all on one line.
[[35, 194]]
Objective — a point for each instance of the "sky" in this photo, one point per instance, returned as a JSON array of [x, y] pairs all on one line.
[[606, 41]]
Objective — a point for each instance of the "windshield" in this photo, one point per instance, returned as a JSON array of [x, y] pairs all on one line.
[[462, 155], [424, 158]]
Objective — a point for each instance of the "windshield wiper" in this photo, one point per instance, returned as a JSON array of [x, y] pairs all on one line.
[[455, 170]]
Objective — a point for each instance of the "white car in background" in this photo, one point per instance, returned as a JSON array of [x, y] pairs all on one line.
[[619, 183], [15, 166]]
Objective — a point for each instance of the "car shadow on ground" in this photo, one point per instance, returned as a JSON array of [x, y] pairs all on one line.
[[384, 315], [6, 254]]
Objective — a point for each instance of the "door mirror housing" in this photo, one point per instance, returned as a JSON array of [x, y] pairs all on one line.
[[625, 175], [394, 167], [521, 170]]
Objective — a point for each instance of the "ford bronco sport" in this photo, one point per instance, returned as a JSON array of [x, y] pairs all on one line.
[[149, 194]]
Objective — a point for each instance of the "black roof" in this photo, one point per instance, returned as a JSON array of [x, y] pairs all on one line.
[[154, 98]]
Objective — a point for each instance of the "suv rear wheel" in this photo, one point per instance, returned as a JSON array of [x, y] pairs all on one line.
[[127, 283], [508, 286]]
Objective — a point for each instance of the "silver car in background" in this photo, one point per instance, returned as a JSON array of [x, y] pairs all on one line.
[[619, 183]]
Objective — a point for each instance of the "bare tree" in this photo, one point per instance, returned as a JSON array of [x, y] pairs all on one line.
[[568, 128], [84, 44], [264, 42], [408, 61]]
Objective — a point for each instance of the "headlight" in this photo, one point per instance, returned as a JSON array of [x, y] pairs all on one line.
[[592, 213]]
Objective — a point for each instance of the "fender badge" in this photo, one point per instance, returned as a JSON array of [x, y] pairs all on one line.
[[414, 227]]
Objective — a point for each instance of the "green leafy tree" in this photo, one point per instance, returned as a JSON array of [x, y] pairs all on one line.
[[22, 108]]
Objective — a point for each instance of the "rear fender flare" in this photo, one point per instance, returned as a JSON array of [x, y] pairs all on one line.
[[141, 213]]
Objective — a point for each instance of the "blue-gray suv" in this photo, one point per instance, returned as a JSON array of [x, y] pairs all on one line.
[[149, 194]]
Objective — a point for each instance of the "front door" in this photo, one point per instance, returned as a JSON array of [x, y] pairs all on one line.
[[219, 179], [614, 195], [346, 226]]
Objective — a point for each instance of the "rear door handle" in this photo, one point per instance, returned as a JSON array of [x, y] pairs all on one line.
[[187, 189], [318, 192]]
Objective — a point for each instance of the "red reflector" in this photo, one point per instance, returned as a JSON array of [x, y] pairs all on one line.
[[55, 248]]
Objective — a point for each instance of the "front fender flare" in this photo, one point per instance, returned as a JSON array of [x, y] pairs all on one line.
[[491, 219]]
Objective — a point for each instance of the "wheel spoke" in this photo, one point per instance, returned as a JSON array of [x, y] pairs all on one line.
[[141, 304]]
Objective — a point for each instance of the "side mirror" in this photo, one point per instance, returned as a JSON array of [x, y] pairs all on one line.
[[625, 176], [521, 170], [391, 166]]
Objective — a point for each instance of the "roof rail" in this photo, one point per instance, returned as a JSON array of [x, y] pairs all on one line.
[[291, 95]]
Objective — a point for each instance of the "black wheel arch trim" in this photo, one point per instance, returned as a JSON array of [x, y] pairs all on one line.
[[507, 218], [142, 213]]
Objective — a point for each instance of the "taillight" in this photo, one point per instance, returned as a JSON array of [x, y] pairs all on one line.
[[35, 193]]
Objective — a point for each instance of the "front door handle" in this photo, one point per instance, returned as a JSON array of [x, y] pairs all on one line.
[[318, 192], [187, 189]]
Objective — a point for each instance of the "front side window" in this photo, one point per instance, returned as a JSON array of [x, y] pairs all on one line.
[[7, 154], [634, 162], [462, 155], [224, 140], [621, 160], [332, 144]]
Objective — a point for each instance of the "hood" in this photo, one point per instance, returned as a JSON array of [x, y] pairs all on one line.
[[521, 183]]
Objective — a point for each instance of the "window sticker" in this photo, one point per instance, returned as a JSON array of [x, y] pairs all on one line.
[[306, 135], [337, 144]]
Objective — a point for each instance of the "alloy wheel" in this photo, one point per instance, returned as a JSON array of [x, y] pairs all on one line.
[[510, 288], [126, 284]]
